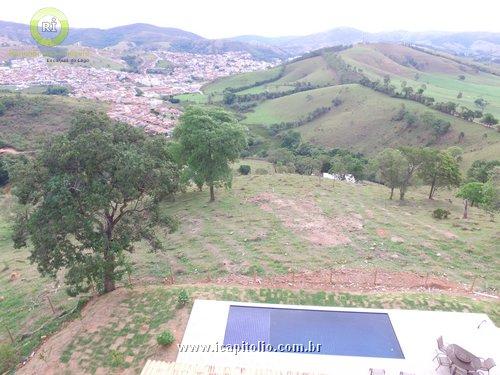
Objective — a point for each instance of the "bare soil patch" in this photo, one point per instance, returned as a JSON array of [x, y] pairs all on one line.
[[307, 220], [97, 313]]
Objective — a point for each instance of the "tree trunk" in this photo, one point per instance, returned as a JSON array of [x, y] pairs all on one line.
[[433, 187], [109, 259], [466, 208], [212, 193], [392, 193], [402, 192], [109, 282]]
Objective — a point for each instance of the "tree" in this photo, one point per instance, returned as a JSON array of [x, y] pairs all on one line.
[[291, 140], [439, 169], [480, 170], [392, 167], [489, 119], [472, 192], [210, 139], [481, 103], [346, 163], [414, 157], [4, 174], [90, 194], [492, 192]]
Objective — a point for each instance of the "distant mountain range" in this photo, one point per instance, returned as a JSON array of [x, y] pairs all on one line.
[[477, 44]]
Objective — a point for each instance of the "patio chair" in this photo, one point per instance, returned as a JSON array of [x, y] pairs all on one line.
[[443, 361], [487, 365], [441, 347], [377, 371]]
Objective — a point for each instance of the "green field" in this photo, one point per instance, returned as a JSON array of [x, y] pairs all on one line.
[[364, 121], [440, 75]]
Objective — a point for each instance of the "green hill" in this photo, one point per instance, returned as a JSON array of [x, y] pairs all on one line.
[[368, 121], [28, 120], [320, 96], [443, 77]]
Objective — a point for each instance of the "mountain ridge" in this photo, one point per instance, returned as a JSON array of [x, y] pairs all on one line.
[[479, 44]]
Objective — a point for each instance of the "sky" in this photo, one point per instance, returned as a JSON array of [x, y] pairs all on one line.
[[227, 18]]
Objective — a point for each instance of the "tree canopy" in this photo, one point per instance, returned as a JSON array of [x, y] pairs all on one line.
[[90, 194], [210, 139], [439, 169]]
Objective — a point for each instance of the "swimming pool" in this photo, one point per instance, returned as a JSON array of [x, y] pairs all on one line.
[[347, 333]]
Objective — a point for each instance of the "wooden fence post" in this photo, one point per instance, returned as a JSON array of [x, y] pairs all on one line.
[[426, 280], [10, 334], [375, 277], [51, 305], [473, 283], [331, 276]]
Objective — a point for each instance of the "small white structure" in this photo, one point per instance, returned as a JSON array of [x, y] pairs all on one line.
[[416, 332], [337, 177]]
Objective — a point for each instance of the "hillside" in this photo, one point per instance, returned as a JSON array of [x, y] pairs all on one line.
[[267, 225], [29, 120], [482, 45], [367, 122], [146, 36], [443, 78], [357, 117]]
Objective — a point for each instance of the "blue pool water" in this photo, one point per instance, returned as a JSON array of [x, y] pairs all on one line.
[[348, 333]]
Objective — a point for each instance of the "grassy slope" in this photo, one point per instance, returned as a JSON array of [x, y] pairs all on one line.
[[235, 236], [34, 118], [439, 74], [314, 70], [364, 122]]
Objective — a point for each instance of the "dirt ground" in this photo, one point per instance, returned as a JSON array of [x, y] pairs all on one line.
[[96, 314], [350, 280], [307, 220]]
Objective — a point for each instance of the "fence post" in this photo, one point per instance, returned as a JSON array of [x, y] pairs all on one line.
[[254, 275], [375, 277], [51, 305], [473, 283], [331, 276], [426, 280], [10, 334]]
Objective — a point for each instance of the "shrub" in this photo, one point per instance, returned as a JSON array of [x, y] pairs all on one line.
[[440, 214], [165, 338], [244, 169], [182, 297], [4, 174], [8, 357]]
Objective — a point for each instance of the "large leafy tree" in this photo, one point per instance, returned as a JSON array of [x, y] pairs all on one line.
[[414, 157], [474, 193], [90, 194], [392, 168], [480, 170], [210, 139], [439, 169]]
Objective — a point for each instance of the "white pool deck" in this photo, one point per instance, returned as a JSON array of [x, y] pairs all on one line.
[[416, 331]]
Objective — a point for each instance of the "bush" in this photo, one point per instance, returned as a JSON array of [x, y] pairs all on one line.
[[182, 297], [8, 357], [4, 174], [244, 169], [165, 338], [440, 214]]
